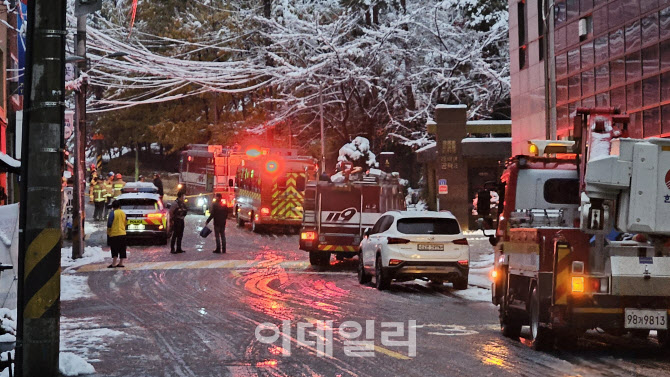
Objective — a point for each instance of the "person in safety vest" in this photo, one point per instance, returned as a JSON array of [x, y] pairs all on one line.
[[116, 231], [108, 184], [97, 193], [119, 184]]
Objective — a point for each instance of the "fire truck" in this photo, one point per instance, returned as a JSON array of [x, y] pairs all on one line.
[[582, 239], [270, 188], [205, 170], [337, 214]]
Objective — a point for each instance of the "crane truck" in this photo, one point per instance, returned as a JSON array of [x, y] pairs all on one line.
[[582, 238]]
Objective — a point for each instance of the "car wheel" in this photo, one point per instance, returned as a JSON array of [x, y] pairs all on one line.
[[363, 277], [240, 222], [461, 283], [382, 282], [319, 258], [541, 337], [510, 325], [163, 240]]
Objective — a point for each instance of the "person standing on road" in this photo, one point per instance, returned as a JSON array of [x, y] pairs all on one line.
[[97, 193], [178, 212], [119, 184], [159, 184], [219, 213], [108, 184], [116, 230]]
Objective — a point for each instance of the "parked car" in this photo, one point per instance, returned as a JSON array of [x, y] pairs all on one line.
[[406, 245], [146, 216]]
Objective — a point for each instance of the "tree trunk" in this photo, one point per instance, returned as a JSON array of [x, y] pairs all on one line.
[[267, 8]]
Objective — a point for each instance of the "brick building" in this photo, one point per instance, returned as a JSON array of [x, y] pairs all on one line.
[[599, 53]]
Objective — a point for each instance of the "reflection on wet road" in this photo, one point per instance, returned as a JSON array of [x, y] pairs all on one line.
[[201, 314]]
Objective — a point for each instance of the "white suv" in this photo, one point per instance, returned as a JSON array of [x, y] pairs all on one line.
[[408, 245]]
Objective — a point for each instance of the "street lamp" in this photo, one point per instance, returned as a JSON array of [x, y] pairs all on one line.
[[80, 145]]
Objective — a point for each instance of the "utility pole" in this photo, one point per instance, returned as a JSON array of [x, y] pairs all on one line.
[[38, 330], [323, 135], [78, 203]]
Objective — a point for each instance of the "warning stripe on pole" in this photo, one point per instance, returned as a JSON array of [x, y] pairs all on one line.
[[98, 164], [42, 273]]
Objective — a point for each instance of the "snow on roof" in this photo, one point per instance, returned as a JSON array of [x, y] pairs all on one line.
[[487, 122], [427, 147], [487, 140], [443, 106], [12, 163]]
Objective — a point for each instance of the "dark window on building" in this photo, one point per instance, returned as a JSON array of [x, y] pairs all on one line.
[[559, 12], [588, 82], [650, 91], [561, 65], [562, 91], [634, 95], [585, 5], [600, 20], [600, 49], [523, 29], [633, 66], [665, 87], [650, 29], [603, 99], [633, 36], [561, 191], [635, 125], [573, 61], [650, 60], [602, 77], [664, 22], [574, 89], [652, 122], [631, 9], [616, 43], [618, 71], [646, 5], [562, 117], [618, 98], [664, 49], [587, 54], [572, 8], [615, 16]]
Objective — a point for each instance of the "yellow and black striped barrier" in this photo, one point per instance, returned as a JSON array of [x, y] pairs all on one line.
[[562, 271]]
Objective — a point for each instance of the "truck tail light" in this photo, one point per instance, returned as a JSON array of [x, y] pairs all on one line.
[[461, 241], [396, 241], [265, 211], [464, 262], [577, 284], [308, 236], [394, 262]]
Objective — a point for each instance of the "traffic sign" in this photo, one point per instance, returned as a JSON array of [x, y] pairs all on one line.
[[442, 187]]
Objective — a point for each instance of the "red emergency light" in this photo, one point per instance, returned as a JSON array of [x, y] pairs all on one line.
[[271, 166], [253, 152]]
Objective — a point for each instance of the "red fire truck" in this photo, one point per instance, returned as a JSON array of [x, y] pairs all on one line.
[[270, 188], [205, 170], [337, 214], [582, 240]]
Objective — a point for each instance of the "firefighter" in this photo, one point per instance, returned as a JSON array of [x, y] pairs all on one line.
[[108, 184], [178, 212], [219, 213], [94, 173], [97, 193], [119, 184]]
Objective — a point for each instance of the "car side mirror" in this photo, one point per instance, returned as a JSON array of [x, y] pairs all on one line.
[[367, 232], [493, 240]]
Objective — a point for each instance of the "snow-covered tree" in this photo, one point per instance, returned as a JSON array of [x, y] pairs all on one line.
[[358, 153]]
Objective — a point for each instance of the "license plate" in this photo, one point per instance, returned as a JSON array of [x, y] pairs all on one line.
[[430, 247], [135, 222], [136, 227], [646, 319]]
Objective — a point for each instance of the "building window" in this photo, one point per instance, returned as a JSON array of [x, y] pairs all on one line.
[[523, 33], [540, 28], [585, 28]]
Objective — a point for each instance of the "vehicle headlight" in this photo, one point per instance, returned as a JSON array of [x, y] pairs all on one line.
[[201, 201]]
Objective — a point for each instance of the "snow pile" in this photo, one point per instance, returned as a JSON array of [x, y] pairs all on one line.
[[7, 325], [74, 287], [92, 254], [85, 337], [358, 152], [9, 216], [73, 365]]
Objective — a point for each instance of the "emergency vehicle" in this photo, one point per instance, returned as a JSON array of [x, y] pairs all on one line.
[[337, 214], [205, 170], [147, 217], [582, 239], [270, 188]]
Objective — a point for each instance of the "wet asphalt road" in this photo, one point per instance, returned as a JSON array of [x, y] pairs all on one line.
[[196, 314]]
